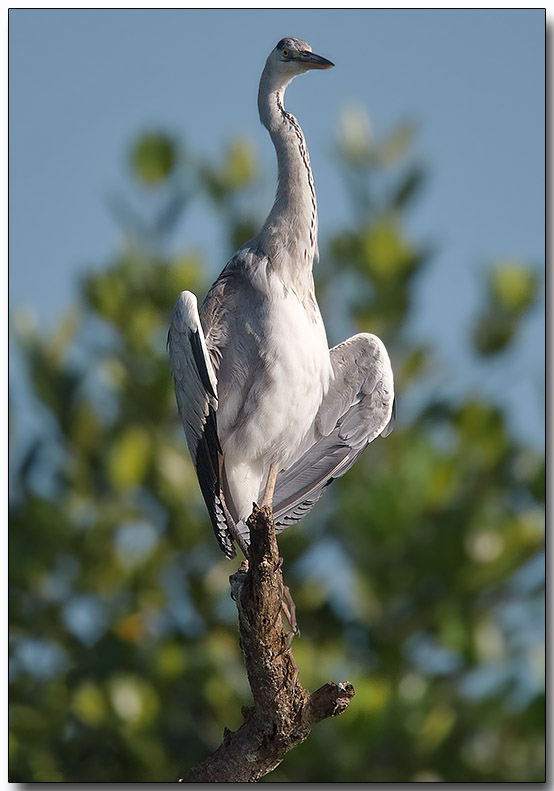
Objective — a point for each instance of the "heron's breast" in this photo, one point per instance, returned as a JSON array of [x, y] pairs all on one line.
[[283, 398]]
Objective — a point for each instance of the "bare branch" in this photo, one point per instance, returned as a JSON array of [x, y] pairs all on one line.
[[283, 712]]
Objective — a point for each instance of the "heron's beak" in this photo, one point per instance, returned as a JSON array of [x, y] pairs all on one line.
[[313, 61]]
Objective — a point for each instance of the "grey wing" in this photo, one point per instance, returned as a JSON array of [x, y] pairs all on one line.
[[358, 407], [197, 401]]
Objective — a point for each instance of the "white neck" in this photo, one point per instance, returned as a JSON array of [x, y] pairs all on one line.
[[289, 235]]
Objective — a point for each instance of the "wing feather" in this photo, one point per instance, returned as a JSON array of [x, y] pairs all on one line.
[[358, 407], [197, 401]]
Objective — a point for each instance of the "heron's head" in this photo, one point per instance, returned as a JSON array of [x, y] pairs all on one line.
[[291, 57]]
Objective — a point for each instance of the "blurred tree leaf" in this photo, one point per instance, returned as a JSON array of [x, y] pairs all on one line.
[[153, 158], [512, 290]]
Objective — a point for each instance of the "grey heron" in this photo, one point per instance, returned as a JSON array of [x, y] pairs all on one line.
[[270, 413]]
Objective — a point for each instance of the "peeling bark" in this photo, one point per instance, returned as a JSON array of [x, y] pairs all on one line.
[[283, 712]]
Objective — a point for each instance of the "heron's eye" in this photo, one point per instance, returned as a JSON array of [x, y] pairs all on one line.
[[285, 53]]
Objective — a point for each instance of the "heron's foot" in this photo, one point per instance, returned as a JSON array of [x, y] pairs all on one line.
[[288, 650], [295, 668], [289, 609]]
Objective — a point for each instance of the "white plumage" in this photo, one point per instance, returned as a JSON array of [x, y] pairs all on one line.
[[258, 390]]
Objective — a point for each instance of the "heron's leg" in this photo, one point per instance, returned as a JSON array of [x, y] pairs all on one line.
[[267, 498]]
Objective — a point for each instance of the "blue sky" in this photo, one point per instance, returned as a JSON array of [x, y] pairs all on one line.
[[84, 83]]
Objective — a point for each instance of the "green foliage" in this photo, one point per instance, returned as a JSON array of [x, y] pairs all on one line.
[[512, 289], [153, 158], [418, 578]]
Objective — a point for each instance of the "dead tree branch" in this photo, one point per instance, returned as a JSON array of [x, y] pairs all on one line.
[[283, 712]]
